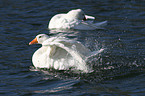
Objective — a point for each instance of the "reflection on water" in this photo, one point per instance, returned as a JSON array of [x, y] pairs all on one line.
[[58, 87], [65, 33]]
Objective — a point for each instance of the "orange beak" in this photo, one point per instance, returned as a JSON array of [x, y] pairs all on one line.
[[34, 41]]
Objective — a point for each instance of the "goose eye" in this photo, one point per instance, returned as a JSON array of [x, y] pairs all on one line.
[[83, 14], [40, 36]]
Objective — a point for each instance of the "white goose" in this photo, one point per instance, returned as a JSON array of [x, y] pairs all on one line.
[[60, 53], [74, 19]]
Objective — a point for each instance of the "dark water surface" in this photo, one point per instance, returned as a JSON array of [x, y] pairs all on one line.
[[118, 71]]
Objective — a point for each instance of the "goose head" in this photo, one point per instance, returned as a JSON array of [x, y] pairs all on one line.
[[76, 14], [39, 39]]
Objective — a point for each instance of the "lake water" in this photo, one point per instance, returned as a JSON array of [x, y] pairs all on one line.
[[118, 71]]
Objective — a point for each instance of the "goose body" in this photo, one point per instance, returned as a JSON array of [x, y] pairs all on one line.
[[60, 53], [75, 19]]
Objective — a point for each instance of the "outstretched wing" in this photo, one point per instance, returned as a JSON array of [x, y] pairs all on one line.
[[76, 56], [69, 50], [89, 25]]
